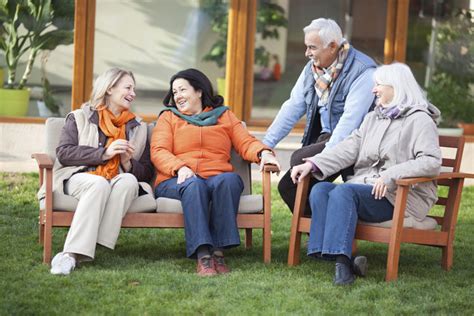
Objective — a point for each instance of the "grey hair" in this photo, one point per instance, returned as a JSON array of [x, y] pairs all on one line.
[[103, 83], [406, 91], [327, 29]]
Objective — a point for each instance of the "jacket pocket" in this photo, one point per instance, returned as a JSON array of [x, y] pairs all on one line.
[[337, 106]]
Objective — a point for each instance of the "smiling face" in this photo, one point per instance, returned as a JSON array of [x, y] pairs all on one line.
[[384, 94], [121, 96], [322, 56], [187, 99]]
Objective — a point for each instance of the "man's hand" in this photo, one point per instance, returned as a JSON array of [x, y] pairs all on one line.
[[300, 171], [267, 157], [184, 173], [380, 189]]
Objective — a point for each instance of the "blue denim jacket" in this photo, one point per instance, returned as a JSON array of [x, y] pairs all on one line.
[[349, 100]]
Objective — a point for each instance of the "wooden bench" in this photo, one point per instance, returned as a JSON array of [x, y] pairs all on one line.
[[57, 210]]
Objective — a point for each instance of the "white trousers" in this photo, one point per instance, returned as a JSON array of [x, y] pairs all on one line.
[[102, 205]]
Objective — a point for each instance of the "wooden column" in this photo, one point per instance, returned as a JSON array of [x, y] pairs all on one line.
[[396, 31], [240, 55], [84, 28]]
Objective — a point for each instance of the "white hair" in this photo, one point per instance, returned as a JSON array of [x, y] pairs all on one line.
[[103, 83], [406, 91], [327, 29]]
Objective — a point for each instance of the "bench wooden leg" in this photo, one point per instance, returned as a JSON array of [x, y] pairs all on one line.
[[47, 244], [248, 238], [294, 249], [267, 245], [447, 258], [40, 230], [354, 247]]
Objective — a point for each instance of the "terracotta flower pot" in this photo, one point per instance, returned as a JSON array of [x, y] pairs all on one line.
[[468, 128]]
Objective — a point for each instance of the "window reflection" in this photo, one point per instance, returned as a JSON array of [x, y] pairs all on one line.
[[440, 53], [363, 24], [156, 39]]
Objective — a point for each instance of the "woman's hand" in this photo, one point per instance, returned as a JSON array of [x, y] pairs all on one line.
[[267, 157], [380, 189], [126, 157], [300, 171], [184, 173], [117, 147]]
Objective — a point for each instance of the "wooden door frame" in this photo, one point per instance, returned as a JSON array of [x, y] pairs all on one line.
[[83, 69]]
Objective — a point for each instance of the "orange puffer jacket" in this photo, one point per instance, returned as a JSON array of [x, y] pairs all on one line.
[[204, 149]]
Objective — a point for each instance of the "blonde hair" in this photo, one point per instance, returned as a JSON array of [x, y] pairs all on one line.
[[406, 91], [103, 83]]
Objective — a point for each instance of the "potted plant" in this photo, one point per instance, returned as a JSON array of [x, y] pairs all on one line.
[[48, 104], [270, 17], [452, 85], [28, 27]]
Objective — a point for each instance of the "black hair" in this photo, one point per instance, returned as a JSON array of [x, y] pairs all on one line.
[[200, 82]]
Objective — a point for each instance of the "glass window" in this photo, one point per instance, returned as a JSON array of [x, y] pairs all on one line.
[[440, 52], [362, 22], [156, 39]]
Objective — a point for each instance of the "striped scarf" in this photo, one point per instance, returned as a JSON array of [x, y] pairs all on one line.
[[325, 78]]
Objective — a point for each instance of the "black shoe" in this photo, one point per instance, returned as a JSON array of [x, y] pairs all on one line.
[[344, 275], [359, 266]]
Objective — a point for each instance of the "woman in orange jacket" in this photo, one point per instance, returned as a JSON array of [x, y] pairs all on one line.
[[190, 149]]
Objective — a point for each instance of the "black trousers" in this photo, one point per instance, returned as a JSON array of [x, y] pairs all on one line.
[[287, 188]]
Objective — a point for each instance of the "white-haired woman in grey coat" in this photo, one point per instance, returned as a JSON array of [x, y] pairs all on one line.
[[398, 139]]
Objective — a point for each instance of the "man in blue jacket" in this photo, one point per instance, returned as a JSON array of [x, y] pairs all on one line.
[[334, 90]]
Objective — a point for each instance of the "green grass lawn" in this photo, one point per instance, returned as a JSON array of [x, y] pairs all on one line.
[[149, 274]]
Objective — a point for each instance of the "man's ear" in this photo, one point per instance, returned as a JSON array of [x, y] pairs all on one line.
[[333, 46]]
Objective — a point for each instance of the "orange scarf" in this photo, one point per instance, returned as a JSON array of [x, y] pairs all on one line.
[[114, 128]]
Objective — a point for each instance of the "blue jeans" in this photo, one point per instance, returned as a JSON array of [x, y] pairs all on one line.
[[336, 209], [210, 209]]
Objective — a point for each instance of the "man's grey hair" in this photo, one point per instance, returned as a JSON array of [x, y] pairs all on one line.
[[327, 29]]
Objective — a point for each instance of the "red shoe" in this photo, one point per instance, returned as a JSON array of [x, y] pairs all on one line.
[[206, 267], [220, 265]]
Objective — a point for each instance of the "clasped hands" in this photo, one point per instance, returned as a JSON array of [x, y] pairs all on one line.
[[123, 148], [298, 172]]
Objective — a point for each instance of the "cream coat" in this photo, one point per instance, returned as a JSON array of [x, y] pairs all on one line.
[[404, 147]]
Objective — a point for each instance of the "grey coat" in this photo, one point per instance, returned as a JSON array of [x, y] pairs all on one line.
[[404, 147]]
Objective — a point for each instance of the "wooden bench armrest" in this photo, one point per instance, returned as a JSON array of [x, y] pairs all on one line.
[[43, 160], [441, 176], [270, 168]]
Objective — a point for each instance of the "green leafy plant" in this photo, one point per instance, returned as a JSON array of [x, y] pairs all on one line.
[[49, 100], [453, 100], [453, 80], [30, 26], [270, 17]]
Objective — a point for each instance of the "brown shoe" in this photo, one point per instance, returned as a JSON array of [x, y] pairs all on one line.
[[220, 265], [205, 267]]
